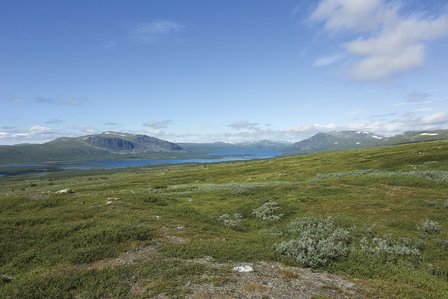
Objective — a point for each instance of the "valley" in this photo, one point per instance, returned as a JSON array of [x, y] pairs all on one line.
[[180, 230]]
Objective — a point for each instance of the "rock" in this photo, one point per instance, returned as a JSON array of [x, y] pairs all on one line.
[[65, 191], [243, 269], [347, 284], [274, 280], [113, 198], [6, 278], [108, 202]]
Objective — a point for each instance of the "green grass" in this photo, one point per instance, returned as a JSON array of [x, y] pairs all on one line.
[[50, 243]]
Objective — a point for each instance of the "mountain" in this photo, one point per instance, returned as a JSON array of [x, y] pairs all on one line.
[[341, 140], [417, 136], [338, 140], [123, 143], [107, 145], [265, 143]]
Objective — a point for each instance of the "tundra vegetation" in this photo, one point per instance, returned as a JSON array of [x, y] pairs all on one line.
[[376, 216]]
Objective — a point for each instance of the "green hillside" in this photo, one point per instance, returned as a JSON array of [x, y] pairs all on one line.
[[179, 231]]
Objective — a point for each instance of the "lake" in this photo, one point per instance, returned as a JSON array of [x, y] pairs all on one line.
[[234, 155], [223, 157]]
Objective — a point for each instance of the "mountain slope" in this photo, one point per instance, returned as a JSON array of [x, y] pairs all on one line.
[[116, 142], [107, 145], [341, 140], [337, 141], [417, 136]]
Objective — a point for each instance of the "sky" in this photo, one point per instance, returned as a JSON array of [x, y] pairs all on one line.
[[231, 71]]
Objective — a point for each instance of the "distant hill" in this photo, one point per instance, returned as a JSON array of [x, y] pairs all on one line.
[[341, 140], [338, 140], [417, 136], [106, 145], [116, 142], [115, 145]]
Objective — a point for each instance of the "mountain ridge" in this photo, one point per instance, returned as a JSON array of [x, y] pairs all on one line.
[[343, 140], [106, 145], [112, 145]]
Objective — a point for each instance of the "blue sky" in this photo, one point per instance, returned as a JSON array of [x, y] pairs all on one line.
[[205, 71]]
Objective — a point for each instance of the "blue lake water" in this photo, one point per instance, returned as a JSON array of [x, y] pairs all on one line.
[[248, 154], [223, 157]]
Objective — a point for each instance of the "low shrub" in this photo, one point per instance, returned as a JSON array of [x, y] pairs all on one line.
[[231, 221], [428, 227], [389, 249], [268, 212], [441, 242], [315, 242], [436, 175]]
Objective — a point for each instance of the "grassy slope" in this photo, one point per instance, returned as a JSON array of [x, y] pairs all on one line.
[[48, 239]]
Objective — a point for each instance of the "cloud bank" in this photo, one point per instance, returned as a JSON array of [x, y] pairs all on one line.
[[388, 42], [158, 125], [245, 130], [72, 101]]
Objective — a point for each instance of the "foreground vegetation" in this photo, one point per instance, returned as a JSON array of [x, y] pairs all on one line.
[[378, 216]]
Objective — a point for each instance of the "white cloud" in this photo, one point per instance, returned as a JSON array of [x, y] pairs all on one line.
[[406, 122], [158, 125], [44, 100], [54, 121], [244, 125], [390, 43], [359, 15], [419, 98], [52, 101], [423, 109], [111, 124], [355, 112], [35, 134], [436, 118], [243, 131], [18, 100], [155, 31], [313, 128], [327, 60], [71, 102], [36, 130]]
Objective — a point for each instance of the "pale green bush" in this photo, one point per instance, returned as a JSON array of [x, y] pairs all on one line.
[[268, 212], [441, 242], [436, 175], [231, 221], [315, 242], [388, 248], [428, 227]]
